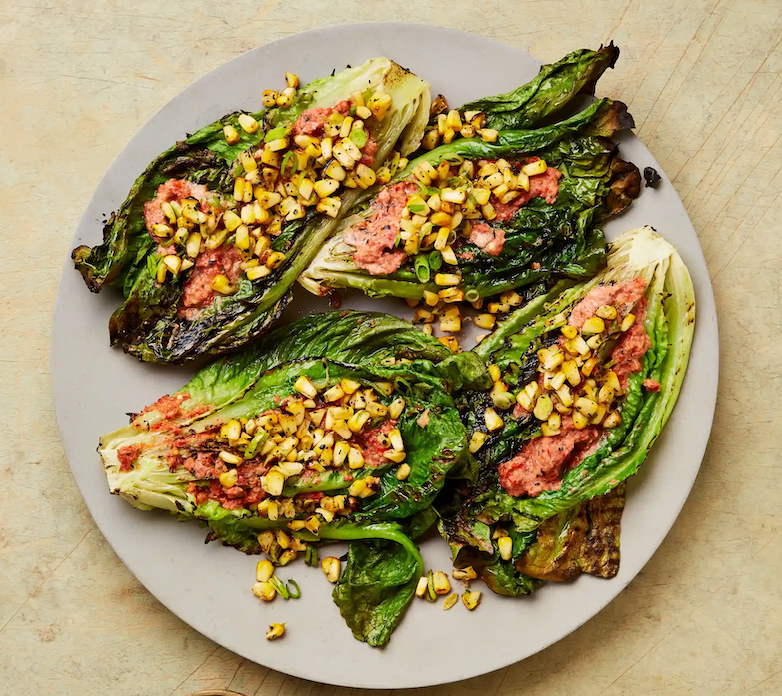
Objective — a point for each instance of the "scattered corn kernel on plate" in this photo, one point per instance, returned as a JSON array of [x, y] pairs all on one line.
[[338, 444]]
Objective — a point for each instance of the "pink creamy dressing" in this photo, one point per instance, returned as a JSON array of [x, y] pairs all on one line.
[[172, 190], [542, 462], [544, 186], [374, 236], [197, 291], [627, 296], [621, 295], [488, 239], [311, 122], [372, 448]]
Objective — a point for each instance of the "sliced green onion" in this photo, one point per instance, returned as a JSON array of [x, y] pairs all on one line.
[[280, 587], [255, 443], [274, 134], [290, 156], [431, 595], [435, 260], [293, 585], [472, 295], [311, 557], [359, 136], [422, 270], [428, 190], [416, 207]]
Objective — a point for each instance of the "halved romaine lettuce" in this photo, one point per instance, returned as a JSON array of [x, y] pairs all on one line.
[[472, 513], [550, 236], [181, 455], [153, 323]]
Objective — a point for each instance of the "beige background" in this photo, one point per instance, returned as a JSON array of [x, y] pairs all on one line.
[[704, 81]]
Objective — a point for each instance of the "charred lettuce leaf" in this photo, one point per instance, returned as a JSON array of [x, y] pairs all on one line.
[[503, 578], [553, 89], [143, 461], [575, 527], [202, 158], [584, 539], [542, 241], [152, 324]]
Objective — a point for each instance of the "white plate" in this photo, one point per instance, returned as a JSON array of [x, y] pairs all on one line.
[[208, 586]]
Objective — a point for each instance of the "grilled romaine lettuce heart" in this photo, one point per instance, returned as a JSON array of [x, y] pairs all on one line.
[[215, 232], [585, 377], [339, 426], [477, 217]]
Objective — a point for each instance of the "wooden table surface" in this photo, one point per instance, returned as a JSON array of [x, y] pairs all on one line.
[[703, 79]]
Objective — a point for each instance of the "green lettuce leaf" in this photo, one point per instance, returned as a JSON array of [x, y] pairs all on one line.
[[669, 323], [542, 241], [326, 348], [149, 323], [379, 579], [554, 87]]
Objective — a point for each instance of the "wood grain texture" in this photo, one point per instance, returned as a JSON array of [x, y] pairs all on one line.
[[704, 81]]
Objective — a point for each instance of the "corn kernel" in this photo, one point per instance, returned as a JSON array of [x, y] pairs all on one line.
[[466, 574], [492, 420], [589, 366], [291, 80], [248, 123], [231, 135], [421, 587], [304, 386], [264, 591], [534, 168], [505, 546], [355, 458], [229, 478], [276, 630], [471, 599], [606, 312], [393, 455], [222, 285], [440, 583], [593, 325], [264, 570], [627, 322], [396, 408], [477, 440]]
